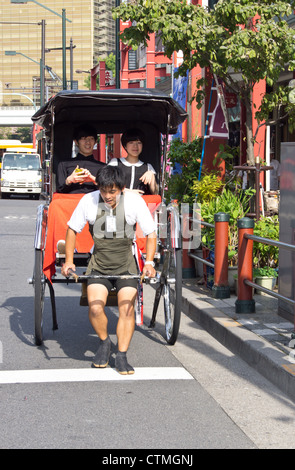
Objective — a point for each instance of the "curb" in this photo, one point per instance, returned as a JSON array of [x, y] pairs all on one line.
[[265, 358]]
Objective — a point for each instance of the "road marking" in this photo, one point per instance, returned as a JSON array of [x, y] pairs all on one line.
[[19, 217], [92, 375]]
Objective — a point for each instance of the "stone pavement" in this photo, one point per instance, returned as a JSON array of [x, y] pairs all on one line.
[[262, 338]]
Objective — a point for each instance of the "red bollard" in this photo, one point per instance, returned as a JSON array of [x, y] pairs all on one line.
[[221, 289], [245, 302]]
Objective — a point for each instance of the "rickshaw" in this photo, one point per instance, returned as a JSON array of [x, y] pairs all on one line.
[[110, 112]]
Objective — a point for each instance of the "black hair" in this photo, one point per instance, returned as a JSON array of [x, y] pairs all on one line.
[[109, 176], [85, 130], [130, 135]]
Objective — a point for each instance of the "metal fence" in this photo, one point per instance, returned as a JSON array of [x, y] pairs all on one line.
[[245, 302]]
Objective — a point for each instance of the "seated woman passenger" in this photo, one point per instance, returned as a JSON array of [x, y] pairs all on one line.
[[78, 174], [139, 176]]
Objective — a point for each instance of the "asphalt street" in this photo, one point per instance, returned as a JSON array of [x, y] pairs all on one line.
[[193, 395]]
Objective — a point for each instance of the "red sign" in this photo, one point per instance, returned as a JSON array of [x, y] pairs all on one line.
[[125, 24]]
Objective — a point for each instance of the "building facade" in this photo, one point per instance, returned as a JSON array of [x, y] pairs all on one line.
[[90, 34], [104, 34]]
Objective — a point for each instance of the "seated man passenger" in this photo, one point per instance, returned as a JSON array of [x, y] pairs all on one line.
[[139, 176], [112, 215], [68, 178]]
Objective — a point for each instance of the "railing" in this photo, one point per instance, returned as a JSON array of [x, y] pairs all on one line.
[[245, 302], [17, 108], [193, 255]]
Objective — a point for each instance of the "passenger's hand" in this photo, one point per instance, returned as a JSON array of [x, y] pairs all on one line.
[[148, 177], [77, 176], [136, 191], [88, 177], [80, 175]]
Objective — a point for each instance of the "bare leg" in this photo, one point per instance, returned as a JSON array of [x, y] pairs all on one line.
[[125, 328], [126, 322], [97, 296]]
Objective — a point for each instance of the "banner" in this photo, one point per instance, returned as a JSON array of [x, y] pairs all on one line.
[[179, 95]]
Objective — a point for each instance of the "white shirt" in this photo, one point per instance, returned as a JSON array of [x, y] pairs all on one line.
[[114, 162], [136, 211]]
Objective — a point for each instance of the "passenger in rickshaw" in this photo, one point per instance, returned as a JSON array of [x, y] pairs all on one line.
[[139, 176], [78, 174], [112, 214]]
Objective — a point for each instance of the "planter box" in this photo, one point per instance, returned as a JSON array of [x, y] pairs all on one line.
[[265, 281]]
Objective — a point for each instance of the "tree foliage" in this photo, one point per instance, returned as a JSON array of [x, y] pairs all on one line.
[[24, 134], [241, 41]]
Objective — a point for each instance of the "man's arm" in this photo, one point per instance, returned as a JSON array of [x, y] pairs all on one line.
[[151, 245], [70, 248]]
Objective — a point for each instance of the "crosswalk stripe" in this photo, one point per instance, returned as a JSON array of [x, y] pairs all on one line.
[[92, 375]]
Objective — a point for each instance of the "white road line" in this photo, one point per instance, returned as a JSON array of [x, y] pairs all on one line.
[[91, 375]]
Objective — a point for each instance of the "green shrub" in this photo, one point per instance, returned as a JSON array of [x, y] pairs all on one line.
[[208, 187], [188, 156], [268, 272], [236, 204], [266, 255]]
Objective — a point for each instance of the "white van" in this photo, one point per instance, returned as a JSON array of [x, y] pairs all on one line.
[[21, 172]]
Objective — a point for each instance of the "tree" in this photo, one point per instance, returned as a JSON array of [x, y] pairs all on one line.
[[24, 134], [247, 39], [7, 132]]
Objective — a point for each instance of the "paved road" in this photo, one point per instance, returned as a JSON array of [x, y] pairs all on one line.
[[211, 399]]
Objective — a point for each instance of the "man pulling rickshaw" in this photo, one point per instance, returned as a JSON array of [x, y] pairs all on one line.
[[112, 216]]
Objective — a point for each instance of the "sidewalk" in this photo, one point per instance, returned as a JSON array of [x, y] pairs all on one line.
[[261, 339]]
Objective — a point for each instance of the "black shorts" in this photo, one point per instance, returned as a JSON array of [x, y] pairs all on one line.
[[111, 283]]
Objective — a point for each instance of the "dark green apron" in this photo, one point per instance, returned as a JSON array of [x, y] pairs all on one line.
[[112, 249]]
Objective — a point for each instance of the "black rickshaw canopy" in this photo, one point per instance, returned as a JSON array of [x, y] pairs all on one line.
[[110, 112]]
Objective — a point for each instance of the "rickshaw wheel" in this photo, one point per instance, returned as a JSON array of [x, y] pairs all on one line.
[[173, 279], [39, 286]]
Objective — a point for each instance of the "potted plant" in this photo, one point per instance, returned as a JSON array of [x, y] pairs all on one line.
[[236, 204], [265, 277], [266, 257]]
